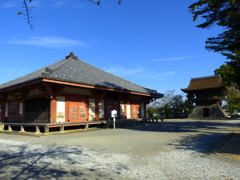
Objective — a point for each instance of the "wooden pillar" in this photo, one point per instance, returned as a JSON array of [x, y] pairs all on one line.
[[145, 109], [53, 109], [125, 110], [118, 109], [24, 111], [87, 109], [67, 108], [146, 101], [24, 95], [3, 112], [18, 113], [97, 100], [105, 109], [4, 101], [52, 91], [6, 111]]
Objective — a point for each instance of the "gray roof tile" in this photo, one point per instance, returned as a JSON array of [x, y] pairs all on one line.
[[76, 71]]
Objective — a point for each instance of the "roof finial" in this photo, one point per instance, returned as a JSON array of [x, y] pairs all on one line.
[[72, 56]]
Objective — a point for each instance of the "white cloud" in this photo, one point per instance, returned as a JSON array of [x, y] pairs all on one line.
[[54, 42], [17, 4], [12, 70], [59, 3], [139, 72], [9, 4], [155, 75], [4, 70], [168, 59], [8, 74], [119, 71]]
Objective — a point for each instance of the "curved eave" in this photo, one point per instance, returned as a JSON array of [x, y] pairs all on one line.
[[186, 90], [21, 85], [157, 95], [89, 86]]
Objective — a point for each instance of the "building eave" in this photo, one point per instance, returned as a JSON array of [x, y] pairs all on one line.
[[101, 88], [40, 80], [186, 90]]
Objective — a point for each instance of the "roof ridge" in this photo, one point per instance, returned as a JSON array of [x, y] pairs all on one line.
[[49, 70], [206, 77]]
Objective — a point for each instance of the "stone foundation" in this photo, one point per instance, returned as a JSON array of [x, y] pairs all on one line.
[[208, 111]]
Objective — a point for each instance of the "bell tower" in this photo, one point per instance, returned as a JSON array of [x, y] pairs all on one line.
[[206, 93]]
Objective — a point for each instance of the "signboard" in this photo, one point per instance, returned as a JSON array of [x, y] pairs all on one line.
[[113, 113]]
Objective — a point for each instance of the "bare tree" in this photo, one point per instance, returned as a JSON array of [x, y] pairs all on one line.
[[28, 8], [27, 14]]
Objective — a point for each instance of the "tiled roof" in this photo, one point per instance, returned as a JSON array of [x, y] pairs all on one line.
[[73, 70], [207, 82]]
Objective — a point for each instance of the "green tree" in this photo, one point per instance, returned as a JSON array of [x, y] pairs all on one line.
[[152, 109], [232, 98], [170, 103], [188, 107], [177, 103], [162, 104], [226, 14], [232, 93], [227, 74]]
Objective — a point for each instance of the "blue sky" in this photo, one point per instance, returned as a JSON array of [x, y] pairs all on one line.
[[152, 43]]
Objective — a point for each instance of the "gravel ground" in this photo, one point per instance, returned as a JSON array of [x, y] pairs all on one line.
[[181, 149]]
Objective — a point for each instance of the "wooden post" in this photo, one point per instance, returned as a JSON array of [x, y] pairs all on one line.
[[67, 108], [144, 109], [125, 109], [4, 103], [24, 111], [53, 109], [97, 100]]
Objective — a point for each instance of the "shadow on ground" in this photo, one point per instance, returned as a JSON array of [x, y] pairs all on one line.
[[203, 143], [230, 146], [185, 126], [36, 164], [200, 136]]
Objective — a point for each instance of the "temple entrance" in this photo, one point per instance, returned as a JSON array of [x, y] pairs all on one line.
[[37, 110], [205, 112], [77, 109], [12, 112], [112, 105], [136, 107]]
